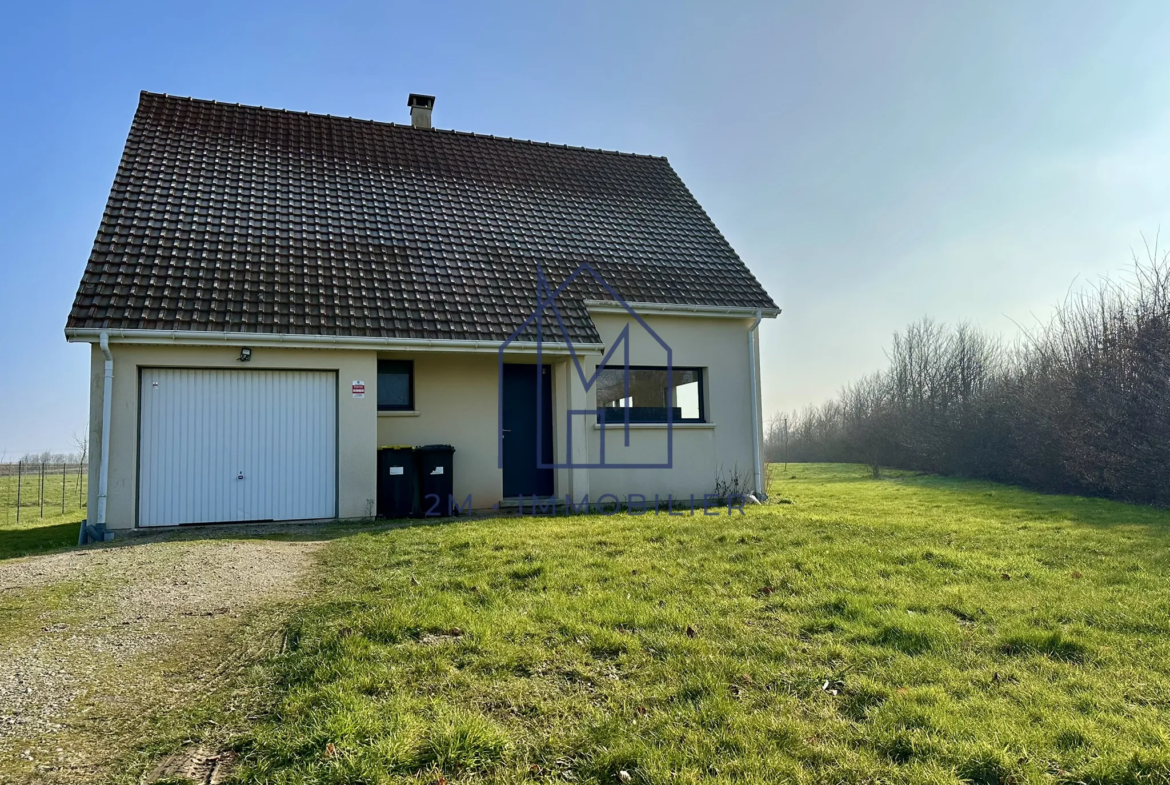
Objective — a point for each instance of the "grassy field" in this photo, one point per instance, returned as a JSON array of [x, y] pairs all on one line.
[[907, 629], [33, 532]]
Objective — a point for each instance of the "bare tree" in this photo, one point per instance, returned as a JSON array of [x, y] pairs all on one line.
[[81, 442], [1079, 404]]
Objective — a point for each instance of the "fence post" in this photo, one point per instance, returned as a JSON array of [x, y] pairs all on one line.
[[42, 489], [19, 482], [64, 471]]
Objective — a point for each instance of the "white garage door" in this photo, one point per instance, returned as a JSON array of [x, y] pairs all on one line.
[[241, 445]]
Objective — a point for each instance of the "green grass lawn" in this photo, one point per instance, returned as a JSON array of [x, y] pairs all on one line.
[[33, 533], [903, 630]]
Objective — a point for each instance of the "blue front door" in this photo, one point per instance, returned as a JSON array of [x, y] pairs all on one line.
[[526, 445]]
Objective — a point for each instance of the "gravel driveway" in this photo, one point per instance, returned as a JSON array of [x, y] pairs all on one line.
[[94, 641]]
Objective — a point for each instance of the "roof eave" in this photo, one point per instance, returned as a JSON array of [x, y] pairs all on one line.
[[292, 341], [676, 309]]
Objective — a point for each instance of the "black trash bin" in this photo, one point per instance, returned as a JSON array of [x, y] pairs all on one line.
[[396, 484], [433, 463]]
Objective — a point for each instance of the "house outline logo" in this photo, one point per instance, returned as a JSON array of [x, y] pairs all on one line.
[[546, 299]]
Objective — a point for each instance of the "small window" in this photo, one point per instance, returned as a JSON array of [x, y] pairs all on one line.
[[395, 385], [650, 394]]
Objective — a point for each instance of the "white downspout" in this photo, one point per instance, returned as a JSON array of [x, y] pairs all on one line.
[[755, 400], [755, 391], [107, 395]]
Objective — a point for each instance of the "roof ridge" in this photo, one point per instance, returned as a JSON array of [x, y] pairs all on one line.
[[455, 131]]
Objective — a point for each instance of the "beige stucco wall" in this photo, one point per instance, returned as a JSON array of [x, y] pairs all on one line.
[[357, 440], [456, 402], [700, 452]]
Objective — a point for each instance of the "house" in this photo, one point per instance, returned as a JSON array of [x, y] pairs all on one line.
[[272, 296]]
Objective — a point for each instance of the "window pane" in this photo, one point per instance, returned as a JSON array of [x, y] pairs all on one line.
[[649, 395], [686, 397], [394, 384]]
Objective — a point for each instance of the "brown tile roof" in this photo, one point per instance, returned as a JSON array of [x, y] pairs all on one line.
[[236, 218]]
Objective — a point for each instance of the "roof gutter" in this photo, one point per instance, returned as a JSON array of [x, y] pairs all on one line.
[[675, 309], [754, 375], [289, 341]]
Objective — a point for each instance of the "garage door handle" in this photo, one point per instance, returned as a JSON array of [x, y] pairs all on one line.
[[240, 477]]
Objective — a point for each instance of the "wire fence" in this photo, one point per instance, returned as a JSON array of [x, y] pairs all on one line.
[[30, 490]]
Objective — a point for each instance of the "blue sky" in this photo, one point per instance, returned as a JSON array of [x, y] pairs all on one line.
[[871, 162]]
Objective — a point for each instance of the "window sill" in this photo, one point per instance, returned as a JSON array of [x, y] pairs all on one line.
[[399, 413], [658, 426]]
